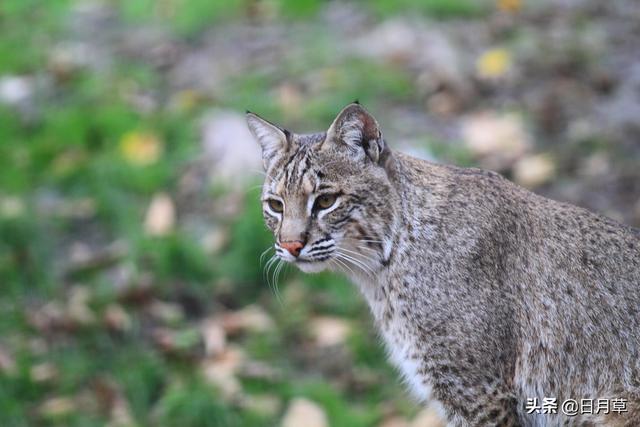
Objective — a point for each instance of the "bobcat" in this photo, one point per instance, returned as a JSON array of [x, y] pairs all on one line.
[[489, 298]]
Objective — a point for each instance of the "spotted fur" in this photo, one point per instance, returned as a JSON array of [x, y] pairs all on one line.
[[485, 293]]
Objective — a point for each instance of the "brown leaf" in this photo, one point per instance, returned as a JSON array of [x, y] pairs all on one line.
[[57, 407], [214, 336], [116, 318], [161, 215], [221, 372], [329, 331], [496, 140], [533, 171], [251, 318], [304, 413], [43, 372]]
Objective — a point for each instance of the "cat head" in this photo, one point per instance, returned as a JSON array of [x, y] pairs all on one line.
[[327, 196]]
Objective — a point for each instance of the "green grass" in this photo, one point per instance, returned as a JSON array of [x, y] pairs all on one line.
[[440, 9], [69, 148]]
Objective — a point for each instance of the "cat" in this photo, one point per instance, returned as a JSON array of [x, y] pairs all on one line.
[[490, 298]]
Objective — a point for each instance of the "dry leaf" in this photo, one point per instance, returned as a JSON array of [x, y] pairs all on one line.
[[141, 148], [214, 336], [493, 64], [116, 318], [290, 99], [251, 318], [43, 372], [329, 331], [496, 140], [57, 407], [532, 171], [509, 5], [304, 413], [78, 310], [221, 372], [161, 215]]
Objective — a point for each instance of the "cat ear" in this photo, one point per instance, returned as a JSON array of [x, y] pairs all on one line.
[[357, 130], [272, 139]]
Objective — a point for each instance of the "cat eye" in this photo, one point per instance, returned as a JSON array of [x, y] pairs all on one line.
[[275, 205], [324, 201]]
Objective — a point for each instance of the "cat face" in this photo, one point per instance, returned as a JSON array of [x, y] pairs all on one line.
[[325, 194]]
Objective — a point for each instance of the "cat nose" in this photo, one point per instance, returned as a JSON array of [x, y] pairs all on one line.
[[293, 247]]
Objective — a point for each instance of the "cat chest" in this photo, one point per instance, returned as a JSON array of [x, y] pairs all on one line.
[[402, 348]]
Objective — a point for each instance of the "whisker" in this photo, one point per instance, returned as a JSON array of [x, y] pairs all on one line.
[[262, 255], [366, 258], [270, 263], [365, 268], [343, 264], [276, 274]]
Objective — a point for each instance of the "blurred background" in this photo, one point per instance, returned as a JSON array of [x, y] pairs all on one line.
[[133, 288]]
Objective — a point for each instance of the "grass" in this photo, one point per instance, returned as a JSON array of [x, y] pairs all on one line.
[[69, 149]]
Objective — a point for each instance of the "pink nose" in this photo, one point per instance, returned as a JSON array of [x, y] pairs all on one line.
[[294, 247]]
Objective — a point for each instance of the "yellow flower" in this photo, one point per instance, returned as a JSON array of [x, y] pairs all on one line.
[[493, 63], [140, 148], [509, 5]]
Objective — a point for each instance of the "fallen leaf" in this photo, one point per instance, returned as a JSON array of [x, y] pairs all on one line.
[[304, 413], [532, 171], [214, 336], [43, 372], [329, 331], [78, 310], [251, 318], [493, 63], [496, 140], [141, 148], [116, 318], [290, 99], [213, 241], [161, 215], [57, 407], [509, 5], [221, 371]]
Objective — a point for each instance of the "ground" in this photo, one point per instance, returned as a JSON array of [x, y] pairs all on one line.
[[133, 286]]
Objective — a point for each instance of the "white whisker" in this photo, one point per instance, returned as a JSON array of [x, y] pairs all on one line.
[[364, 267]]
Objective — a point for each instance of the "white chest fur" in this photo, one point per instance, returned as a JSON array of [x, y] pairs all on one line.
[[400, 343]]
